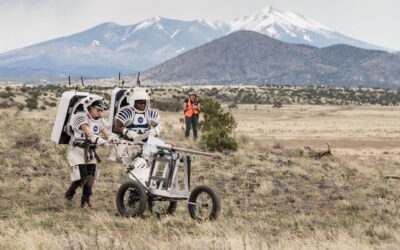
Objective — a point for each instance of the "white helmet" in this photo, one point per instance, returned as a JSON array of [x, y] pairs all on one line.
[[139, 95], [94, 99]]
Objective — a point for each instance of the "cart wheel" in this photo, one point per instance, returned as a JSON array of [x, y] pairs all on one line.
[[207, 204], [131, 199], [160, 208]]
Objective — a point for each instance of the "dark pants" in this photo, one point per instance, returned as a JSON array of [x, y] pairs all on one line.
[[86, 181], [191, 122]]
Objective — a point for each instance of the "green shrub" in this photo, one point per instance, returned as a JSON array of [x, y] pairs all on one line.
[[24, 89], [52, 104], [31, 103], [6, 95], [4, 105], [217, 126], [277, 104], [218, 139], [215, 116]]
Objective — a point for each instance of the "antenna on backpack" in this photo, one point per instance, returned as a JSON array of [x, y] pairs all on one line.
[[70, 86], [120, 82], [138, 80], [83, 85]]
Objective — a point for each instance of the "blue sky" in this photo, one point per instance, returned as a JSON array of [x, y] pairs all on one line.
[[26, 22]]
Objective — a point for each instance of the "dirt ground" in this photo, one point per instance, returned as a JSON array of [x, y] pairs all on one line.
[[355, 130]]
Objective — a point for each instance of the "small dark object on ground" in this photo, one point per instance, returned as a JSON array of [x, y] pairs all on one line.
[[317, 154]]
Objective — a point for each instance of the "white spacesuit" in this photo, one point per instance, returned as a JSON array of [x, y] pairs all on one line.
[[136, 122], [84, 127], [137, 118]]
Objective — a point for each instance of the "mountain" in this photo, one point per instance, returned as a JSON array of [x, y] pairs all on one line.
[[110, 48], [250, 57], [294, 28]]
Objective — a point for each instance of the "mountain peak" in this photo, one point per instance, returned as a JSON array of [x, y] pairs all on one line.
[[266, 10], [109, 25], [150, 22], [156, 19], [267, 17]]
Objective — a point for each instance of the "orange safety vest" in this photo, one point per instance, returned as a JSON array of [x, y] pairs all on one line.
[[190, 110]]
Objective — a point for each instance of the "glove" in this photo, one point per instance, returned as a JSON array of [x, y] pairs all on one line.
[[113, 138], [153, 132], [136, 137], [130, 134], [98, 140], [142, 137]]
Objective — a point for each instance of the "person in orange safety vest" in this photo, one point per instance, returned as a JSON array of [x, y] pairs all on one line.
[[191, 109]]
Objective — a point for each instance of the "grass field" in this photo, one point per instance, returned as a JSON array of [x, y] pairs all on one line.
[[273, 195]]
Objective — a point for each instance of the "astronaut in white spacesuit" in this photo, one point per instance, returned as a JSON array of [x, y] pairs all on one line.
[[84, 127], [137, 120]]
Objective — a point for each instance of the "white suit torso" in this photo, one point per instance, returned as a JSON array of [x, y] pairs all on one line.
[[76, 155], [139, 122]]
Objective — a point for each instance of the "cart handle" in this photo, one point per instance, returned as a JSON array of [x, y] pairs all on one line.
[[166, 147]]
